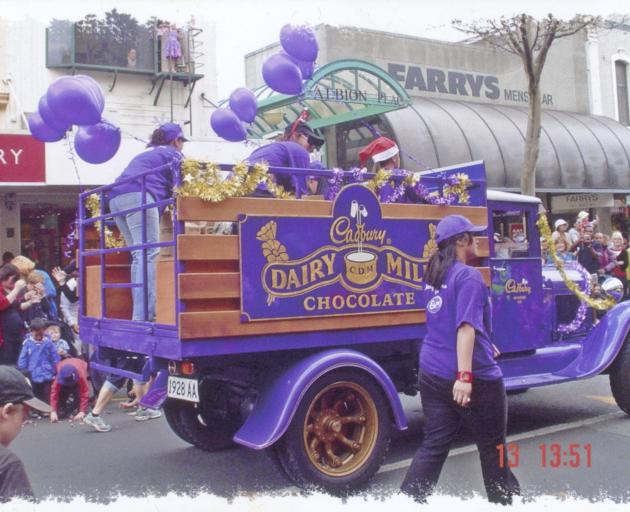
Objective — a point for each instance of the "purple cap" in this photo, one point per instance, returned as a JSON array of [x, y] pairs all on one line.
[[173, 131], [68, 375], [452, 225]]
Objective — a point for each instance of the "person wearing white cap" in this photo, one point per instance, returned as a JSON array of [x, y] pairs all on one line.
[[561, 226]]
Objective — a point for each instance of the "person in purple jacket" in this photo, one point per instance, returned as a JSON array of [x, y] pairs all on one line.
[[163, 156], [293, 150], [460, 381]]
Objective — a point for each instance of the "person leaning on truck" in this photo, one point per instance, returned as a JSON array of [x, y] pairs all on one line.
[[460, 381], [163, 154], [293, 150]]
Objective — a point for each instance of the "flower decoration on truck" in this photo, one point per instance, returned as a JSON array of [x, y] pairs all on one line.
[[272, 249]]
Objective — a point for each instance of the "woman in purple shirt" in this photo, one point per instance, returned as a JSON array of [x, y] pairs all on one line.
[[163, 156], [460, 381]]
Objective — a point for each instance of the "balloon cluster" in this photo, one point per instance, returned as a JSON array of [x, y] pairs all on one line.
[[285, 71], [231, 123], [76, 100]]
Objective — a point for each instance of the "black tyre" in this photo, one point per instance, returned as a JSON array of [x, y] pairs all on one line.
[[199, 428], [620, 378], [171, 413], [339, 435]]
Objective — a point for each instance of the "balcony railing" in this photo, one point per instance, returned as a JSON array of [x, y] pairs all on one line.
[[138, 49]]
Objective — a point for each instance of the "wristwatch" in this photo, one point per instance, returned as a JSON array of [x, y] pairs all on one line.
[[465, 376]]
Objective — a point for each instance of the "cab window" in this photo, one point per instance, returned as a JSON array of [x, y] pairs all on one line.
[[509, 234]]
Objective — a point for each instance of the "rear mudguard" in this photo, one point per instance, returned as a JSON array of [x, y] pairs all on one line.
[[156, 396], [602, 345], [278, 402]]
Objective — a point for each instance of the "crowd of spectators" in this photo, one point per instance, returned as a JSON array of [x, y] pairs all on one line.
[[601, 254]]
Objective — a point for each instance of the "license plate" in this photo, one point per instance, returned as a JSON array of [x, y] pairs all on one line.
[[183, 389]]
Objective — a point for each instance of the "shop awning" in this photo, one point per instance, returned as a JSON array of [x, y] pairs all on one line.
[[577, 152], [341, 91]]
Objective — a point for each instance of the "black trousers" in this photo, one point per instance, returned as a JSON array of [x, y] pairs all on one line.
[[41, 390], [487, 419]]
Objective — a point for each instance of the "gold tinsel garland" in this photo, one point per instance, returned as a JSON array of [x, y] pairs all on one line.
[[93, 204], [205, 180], [545, 232]]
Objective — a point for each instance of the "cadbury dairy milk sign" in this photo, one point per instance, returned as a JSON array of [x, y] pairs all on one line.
[[352, 262], [417, 79]]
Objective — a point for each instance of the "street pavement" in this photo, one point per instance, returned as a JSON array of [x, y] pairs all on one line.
[[136, 459]]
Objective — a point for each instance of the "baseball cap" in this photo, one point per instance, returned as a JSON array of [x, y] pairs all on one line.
[[15, 388], [582, 215], [68, 375], [453, 225], [559, 223], [173, 131], [314, 139]]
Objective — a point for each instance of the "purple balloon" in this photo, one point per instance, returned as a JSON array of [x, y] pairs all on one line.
[[282, 74], [97, 143], [41, 131], [227, 125], [306, 67], [70, 99], [243, 103], [49, 118], [95, 89], [299, 42]]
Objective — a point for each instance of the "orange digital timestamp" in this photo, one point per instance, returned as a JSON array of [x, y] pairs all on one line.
[[554, 455]]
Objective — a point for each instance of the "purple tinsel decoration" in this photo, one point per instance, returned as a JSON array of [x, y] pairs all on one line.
[[390, 192], [580, 315], [70, 242]]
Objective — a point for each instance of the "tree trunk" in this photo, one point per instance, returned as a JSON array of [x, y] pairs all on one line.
[[532, 143]]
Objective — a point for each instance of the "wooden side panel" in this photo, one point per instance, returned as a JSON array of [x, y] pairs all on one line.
[[210, 286], [207, 247], [165, 291], [119, 303], [195, 209], [227, 323]]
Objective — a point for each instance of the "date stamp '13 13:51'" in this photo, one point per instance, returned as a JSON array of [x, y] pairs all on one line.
[[554, 455]]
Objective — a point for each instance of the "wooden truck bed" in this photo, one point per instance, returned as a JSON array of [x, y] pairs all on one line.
[[207, 277]]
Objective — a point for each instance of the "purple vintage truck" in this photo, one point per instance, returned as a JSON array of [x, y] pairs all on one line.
[[299, 332]]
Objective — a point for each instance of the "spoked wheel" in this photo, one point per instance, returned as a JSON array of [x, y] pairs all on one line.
[[339, 435]]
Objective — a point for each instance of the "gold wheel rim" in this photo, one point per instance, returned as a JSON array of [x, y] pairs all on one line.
[[340, 429]]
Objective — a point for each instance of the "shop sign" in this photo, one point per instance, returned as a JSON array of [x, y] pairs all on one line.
[[575, 202], [344, 95], [352, 262], [417, 79], [22, 159]]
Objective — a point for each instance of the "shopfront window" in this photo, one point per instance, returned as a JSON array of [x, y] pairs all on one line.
[[44, 229], [621, 74], [510, 234]]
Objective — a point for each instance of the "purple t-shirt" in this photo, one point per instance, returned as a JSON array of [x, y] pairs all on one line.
[[463, 298], [283, 154], [164, 159]]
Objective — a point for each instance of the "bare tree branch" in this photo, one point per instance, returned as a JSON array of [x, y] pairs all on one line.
[[531, 39]]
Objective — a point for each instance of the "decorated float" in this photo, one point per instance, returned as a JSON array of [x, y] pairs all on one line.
[[293, 323]]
